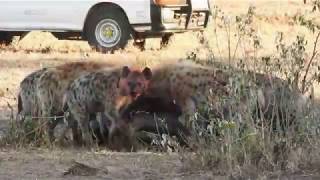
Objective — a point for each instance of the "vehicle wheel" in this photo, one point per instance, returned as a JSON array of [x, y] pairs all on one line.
[[107, 29], [5, 38]]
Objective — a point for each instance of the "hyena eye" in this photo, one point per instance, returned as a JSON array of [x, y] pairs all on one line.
[[139, 84]]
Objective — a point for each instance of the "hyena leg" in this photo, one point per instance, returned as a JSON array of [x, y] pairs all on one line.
[[52, 123], [188, 110], [76, 134], [120, 133], [26, 107], [82, 119], [43, 123], [60, 139], [72, 124], [47, 123], [45, 99], [102, 126], [112, 128], [121, 136]]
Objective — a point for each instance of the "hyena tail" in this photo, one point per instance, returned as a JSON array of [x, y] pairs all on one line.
[[20, 115], [65, 106], [66, 113], [20, 108]]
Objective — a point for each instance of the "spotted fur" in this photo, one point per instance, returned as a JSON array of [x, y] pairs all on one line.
[[105, 92], [188, 85], [52, 85], [28, 104], [191, 85], [273, 101]]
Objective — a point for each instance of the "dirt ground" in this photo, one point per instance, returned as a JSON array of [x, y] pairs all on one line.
[[52, 163], [48, 164]]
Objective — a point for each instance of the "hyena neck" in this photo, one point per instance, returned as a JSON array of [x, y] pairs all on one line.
[[122, 102]]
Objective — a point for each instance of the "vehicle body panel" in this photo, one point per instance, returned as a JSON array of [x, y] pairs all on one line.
[[62, 15], [201, 5]]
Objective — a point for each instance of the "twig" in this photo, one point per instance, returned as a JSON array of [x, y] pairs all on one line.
[[43, 124], [314, 53], [237, 45], [227, 29], [217, 44], [47, 117], [11, 110]]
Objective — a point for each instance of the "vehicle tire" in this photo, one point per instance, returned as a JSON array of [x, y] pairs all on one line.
[[107, 29], [5, 38]]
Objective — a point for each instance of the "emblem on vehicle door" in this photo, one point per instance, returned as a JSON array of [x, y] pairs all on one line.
[[35, 12], [140, 14]]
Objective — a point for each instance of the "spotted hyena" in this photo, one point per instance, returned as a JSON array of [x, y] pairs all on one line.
[[52, 85], [273, 100], [106, 92], [28, 105], [151, 114], [189, 85]]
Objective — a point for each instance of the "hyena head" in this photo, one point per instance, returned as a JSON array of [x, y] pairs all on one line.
[[134, 82]]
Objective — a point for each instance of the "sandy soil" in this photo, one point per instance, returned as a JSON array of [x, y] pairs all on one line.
[[47, 164], [52, 163]]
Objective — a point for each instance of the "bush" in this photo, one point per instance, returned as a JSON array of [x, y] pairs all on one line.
[[249, 140]]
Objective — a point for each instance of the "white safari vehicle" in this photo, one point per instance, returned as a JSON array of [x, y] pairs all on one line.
[[105, 24]]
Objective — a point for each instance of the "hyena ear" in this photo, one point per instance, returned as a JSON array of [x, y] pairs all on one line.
[[147, 73], [125, 71]]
